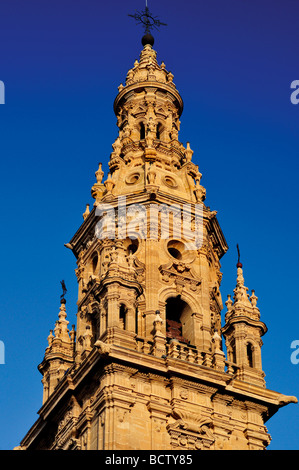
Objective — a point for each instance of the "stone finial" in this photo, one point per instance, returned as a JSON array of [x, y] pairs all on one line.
[[170, 77], [188, 152], [98, 188], [63, 323], [99, 174], [109, 183], [87, 212], [50, 338], [243, 303], [240, 277], [240, 291]]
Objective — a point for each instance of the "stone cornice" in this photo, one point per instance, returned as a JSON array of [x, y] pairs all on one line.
[[88, 226], [149, 84]]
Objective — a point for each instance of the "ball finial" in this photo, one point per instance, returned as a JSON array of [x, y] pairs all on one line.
[[147, 39]]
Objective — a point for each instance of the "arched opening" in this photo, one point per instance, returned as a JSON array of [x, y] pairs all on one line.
[[123, 316], [159, 131], [142, 131], [94, 262], [234, 356], [249, 351], [177, 319], [131, 245]]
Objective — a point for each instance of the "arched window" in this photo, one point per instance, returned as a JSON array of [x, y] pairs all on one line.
[[176, 310], [233, 356], [159, 131], [249, 350], [142, 131], [133, 246], [123, 316]]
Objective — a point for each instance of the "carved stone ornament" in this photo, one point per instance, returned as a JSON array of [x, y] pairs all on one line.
[[103, 348], [180, 274], [190, 431]]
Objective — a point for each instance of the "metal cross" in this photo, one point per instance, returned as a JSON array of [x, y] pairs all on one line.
[[64, 290], [147, 20], [238, 253]]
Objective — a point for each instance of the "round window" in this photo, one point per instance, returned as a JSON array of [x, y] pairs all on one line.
[[170, 182], [133, 178], [176, 249]]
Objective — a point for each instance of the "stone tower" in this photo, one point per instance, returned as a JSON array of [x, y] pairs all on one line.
[[146, 367]]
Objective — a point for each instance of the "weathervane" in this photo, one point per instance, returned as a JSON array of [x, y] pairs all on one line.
[[239, 264], [64, 291], [147, 20]]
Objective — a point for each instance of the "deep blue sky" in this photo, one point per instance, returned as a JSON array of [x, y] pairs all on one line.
[[61, 62]]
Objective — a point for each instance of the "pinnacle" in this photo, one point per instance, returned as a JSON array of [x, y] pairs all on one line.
[[242, 302], [148, 69], [148, 56]]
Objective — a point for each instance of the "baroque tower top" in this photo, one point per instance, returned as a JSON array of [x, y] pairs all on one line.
[[148, 109]]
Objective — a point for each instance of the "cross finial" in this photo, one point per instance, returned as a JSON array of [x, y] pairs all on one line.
[[147, 20], [239, 265]]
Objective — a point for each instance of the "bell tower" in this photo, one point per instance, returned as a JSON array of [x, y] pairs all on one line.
[[146, 367], [152, 247]]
